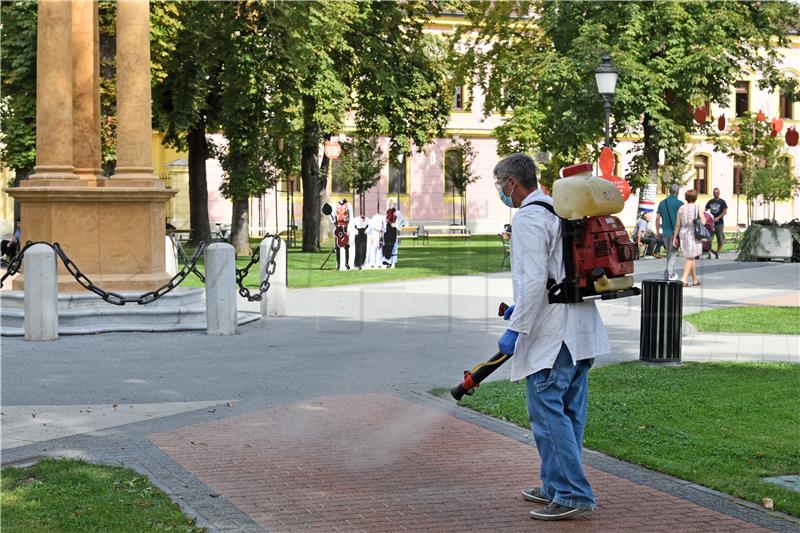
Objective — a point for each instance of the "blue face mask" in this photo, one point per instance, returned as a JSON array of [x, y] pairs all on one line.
[[506, 198]]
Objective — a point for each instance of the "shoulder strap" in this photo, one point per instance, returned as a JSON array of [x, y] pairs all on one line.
[[541, 204]]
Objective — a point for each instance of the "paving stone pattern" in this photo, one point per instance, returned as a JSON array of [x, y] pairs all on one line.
[[377, 462]]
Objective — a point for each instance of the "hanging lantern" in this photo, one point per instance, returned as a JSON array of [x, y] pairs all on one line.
[[791, 136], [623, 187], [761, 117], [721, 123], [777, 124], [700, 115]]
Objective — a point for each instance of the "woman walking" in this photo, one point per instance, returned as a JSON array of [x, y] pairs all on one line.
[[691, 247]]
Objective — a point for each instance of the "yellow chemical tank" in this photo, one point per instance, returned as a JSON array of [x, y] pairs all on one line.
[[576, 197]]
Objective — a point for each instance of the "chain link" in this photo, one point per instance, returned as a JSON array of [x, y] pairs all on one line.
[[244, 292], [109, 296], [189, 267]]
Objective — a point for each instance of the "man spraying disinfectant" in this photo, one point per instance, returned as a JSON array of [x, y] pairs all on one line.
[[553, 344]]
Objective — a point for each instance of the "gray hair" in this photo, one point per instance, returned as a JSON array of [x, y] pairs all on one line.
[[674, 188], [520, 166]]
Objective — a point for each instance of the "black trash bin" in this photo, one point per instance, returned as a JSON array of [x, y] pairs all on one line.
[[662, 313]]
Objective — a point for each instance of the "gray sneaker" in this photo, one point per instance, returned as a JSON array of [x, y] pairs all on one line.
[[555, 511], [534, 495]]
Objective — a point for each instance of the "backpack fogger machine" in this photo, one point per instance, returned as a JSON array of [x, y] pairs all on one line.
[[598, 254]]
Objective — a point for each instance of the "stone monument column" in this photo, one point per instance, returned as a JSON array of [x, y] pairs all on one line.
[[134, 128], [54, 93], [86, 91]]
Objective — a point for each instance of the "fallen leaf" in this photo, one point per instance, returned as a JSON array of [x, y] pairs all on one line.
[[759, 454], [767, 503], [212, 410]]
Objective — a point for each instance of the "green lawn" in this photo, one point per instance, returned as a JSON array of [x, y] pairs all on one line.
[[66, 495], [722, 425], [440, 257], [774, 320]]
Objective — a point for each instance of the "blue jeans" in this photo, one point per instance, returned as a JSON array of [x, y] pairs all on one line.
[[557, 400]]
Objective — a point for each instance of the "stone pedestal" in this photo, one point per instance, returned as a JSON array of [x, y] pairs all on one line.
[[115, 235]]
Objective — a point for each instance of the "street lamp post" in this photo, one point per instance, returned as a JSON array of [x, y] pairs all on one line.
[[606, 77]]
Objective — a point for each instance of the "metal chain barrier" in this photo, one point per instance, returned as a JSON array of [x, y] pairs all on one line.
[[189, 267], [16, 263], [244, 292], [184, 259], [109, 296]]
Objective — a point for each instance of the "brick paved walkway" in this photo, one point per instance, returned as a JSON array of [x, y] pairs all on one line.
[[381, 463]]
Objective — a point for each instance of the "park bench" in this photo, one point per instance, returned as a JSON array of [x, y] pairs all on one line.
[[411, 232], [182, 235], [505, 238], [451, 230], [735, 237]]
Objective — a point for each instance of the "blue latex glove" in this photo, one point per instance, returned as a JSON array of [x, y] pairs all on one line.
[[508, 312], [507, 342]]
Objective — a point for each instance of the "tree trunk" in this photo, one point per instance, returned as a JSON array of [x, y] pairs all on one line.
[[198, 185], [309, 171], [651, 149], [240, 228]]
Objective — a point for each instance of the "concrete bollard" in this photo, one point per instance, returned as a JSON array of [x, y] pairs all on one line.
[[170, 256], [221, 292], [274, 301], [41, 294]]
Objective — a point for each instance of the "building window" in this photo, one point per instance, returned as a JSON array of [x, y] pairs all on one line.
[[787, 162], [292, 184], [458, 97], [785, 104], [738, 176], [452, 171], [742, 97], [338, 185], [398, 174], [701, 174]]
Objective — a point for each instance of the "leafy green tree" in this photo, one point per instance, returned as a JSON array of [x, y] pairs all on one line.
[[459, 173], [369, 57], [362, 161], [765, 173], [186, 92], [18, 103], [538, 58]]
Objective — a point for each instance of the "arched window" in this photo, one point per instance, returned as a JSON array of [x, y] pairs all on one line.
[[398, 175], [701, 174], [452, 171], [338, 185], [742, 98]]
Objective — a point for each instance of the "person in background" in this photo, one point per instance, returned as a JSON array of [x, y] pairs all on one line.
[[666, 215], [718, 208], [643, 234], [691, 247], [10, 247], [554, 345]]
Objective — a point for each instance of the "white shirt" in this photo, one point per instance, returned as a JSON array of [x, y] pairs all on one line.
[[536, 256]]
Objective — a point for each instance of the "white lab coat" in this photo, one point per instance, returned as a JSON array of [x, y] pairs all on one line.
[[542, 326]]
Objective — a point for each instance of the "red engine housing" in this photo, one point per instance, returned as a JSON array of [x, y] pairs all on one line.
[[600, 245]]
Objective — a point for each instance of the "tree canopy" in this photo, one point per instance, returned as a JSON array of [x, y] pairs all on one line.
[[537, 59]]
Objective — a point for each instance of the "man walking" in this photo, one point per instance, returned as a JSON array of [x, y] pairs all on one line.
[[554, 344], [666, 215], [718, 208]]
